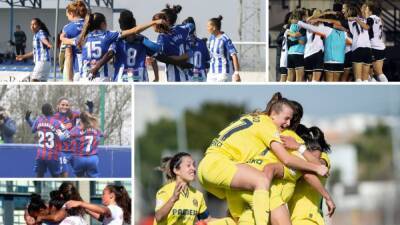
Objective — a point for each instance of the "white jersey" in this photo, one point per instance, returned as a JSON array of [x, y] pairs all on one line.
[[284, 51], [314, 43], [117, 216], [73, 220], [360, 36], [376, 32]]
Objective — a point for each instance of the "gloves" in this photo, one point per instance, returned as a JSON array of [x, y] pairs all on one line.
[[28, 115], [90, 105]]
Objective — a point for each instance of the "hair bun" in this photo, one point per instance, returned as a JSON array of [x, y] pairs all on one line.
[[219, 18], [177, 8]]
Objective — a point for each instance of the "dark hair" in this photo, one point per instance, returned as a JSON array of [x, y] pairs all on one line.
[[18, 26], [36, 204], [190, 20], [56, 199], [172, 13], [122, 199], [171, 163], [317, 134], [297, 115], [374, 7], [92, 22], [302, 131], [42, 26], [47, 109], [161, 28], [287, 18], [68, 192], [126, 20], [216, 22]]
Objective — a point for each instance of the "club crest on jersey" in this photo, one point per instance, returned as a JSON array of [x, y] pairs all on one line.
[[195, 203]]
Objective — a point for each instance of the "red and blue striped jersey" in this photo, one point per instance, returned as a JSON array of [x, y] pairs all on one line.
[[48, 130], [68, 123], [85, 142]]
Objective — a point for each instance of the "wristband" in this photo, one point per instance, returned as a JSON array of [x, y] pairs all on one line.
[[302, 149]]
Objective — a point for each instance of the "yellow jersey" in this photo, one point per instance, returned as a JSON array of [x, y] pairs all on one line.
[[185, 211], [245, 138], [281, 189], [306, 199]]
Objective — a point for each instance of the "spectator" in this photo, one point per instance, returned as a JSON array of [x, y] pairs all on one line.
[[19, 40], [7, 127]]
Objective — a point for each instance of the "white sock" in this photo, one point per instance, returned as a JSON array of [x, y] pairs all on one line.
[[358, 80], [382, 78], [365, 81]]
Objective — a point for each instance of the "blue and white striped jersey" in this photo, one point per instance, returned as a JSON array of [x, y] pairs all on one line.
[[130, 58], [73, 30], [175, 43], [40, 51], [200, 59], [221, 49], [97, 44]]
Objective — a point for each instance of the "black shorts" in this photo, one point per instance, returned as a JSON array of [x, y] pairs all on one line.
[[334, 67], [348, 63], [295, 61], [283, 70], [314, 62], [378, 55], [362, 55]]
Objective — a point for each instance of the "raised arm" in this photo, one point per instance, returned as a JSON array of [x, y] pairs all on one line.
[[295, 162], [138, 29], [162, 213], [91, 207]]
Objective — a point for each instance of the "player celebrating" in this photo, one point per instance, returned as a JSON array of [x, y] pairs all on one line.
[[177, 195], [200, 57], [50, 134], [41, 51], [69, 118], [130, 53], [86, 137], [374, 25], [305, 205], [222, 167], [361, 47], [76, 12], [95, 42], [224, 61], [117, 210]]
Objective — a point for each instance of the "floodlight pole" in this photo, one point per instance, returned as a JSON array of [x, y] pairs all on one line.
[[55, 42]]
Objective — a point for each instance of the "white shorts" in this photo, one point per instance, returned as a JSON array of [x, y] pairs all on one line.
[[219, 77], [41, 71]]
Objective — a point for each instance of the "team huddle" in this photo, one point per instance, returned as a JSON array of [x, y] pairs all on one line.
[[67, 141], [66, 207], [346, 45], [267, 166], [88, 46]]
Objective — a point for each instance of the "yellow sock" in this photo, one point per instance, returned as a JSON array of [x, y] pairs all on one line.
[[222, 221], [261, 207]]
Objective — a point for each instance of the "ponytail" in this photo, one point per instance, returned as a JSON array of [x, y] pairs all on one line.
[[122, 199]]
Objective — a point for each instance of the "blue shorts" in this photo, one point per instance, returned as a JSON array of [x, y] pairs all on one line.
[[42, 165], [86, 166], [66, 162]]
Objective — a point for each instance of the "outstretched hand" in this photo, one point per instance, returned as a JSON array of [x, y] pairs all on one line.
[[28, 115]]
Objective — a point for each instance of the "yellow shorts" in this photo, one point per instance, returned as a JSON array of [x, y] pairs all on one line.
[[247, 218], [215, 173], [313, 218]]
